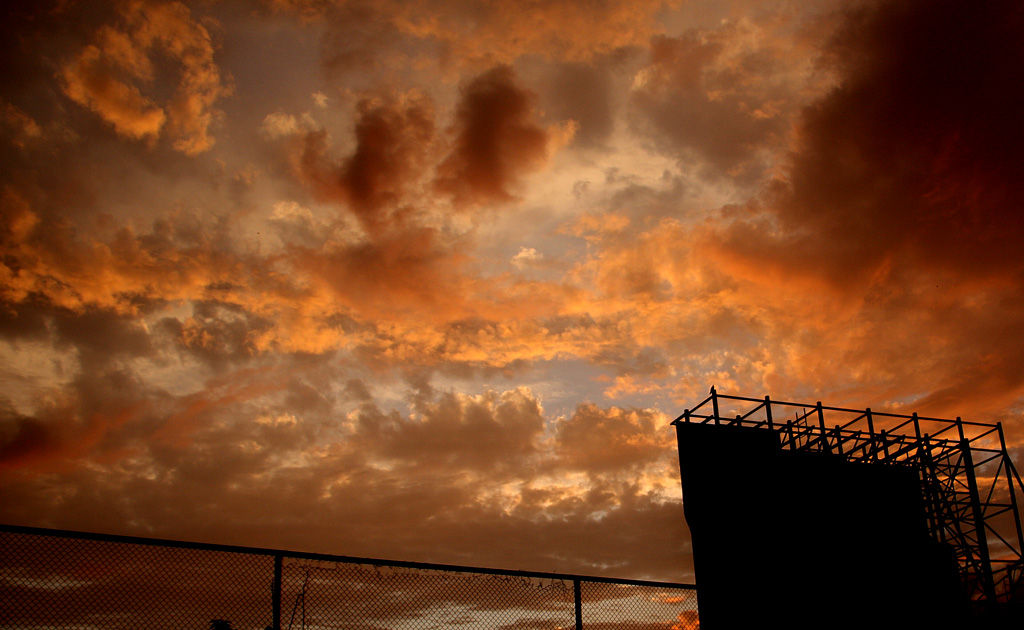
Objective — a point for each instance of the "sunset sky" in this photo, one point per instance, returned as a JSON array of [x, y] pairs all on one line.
[[428, 279]]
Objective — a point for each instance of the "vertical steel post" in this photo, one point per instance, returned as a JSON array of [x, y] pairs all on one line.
[[714, 403], [821, 425], [987, 585], [276, 590], [932, 480], [579, 604], [871, 433], [768, 411], [924, 469], [1009, 482]]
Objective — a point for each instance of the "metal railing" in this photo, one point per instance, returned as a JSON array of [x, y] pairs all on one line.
[[56, 579]]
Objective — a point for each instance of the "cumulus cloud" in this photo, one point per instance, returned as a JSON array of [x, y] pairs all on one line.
[[527, 257], [88, 81], [394, 138], [453, 458], [113, 75], [281, 125], [496, 140], [76, 272], [595, 439], [722, 99], [495, 430]]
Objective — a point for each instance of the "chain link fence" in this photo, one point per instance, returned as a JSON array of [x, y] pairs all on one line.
[[54, 580]]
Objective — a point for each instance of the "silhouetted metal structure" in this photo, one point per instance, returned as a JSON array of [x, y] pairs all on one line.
[[880, 478]]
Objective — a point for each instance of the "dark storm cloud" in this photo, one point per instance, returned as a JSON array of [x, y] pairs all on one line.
[[401, 258], [102, 334], [393, 139], [22, 437], [901, 201], [496, 142], [915, 156], [23, 321]]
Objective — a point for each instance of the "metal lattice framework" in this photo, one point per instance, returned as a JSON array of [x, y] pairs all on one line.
[[968, 482]]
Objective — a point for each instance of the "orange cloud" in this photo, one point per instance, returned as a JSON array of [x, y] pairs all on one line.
[[596, 439], [478, 34], [722, 99], [503, 30], [490, 431], [111, 76], [88, 81]]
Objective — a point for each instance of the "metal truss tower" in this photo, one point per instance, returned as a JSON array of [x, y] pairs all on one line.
[[968, 483]]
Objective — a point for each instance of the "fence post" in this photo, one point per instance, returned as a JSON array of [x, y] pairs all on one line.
[[276, 591], [579, 604]]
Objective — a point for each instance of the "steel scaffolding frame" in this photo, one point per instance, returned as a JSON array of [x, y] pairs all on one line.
[[968, 482]]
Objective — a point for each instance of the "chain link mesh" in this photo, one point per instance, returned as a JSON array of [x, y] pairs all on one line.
[[50, 582], [366, 597], [65, 582], [638, 607]]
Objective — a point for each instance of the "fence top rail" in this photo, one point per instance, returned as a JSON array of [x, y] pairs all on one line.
[[304, 555]]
